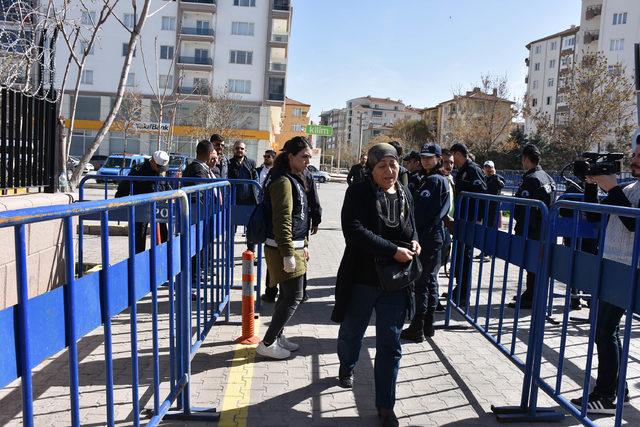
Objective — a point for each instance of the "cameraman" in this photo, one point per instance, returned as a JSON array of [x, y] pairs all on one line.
[[618, 246]]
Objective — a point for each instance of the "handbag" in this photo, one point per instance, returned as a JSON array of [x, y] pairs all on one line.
[[394, 275]]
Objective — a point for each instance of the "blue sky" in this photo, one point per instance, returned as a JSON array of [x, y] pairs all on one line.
[[415, 50]]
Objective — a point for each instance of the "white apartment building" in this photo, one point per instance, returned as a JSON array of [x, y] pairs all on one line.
[[549, 58], [193, 48]]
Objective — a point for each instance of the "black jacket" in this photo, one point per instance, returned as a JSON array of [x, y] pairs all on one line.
[[357, 174], [361, 229], [245, 194], [315, 210], [223, 166], [141, 187], [538, 185], [431, 199], [495, 184], [197, 169], [470, 178]]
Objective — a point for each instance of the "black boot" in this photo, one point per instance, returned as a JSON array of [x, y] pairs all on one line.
[[414, 331], [428, 329]]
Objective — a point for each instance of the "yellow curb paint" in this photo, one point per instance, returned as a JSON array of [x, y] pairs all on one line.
[[237, 394]]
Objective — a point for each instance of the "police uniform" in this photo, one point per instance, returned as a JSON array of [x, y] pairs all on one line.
[[431, 205], [537, 185], [469, 178]]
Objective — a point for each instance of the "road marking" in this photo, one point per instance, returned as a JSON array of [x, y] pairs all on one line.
[[237, 395]]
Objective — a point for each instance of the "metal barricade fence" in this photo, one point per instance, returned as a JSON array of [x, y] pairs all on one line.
[[611, 279], [476, 228], [36, 328], [239, 216]]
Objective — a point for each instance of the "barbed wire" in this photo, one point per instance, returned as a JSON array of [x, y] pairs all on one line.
[[27, 49]]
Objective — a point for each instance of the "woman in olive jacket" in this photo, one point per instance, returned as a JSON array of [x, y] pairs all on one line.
[[286, 250], [377, 222]]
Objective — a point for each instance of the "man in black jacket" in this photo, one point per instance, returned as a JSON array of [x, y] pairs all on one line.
[[242, 167], [358, 171], [223, 162], [495, 184], [538, 185], [153, 167], [468, 179], [199, 167]]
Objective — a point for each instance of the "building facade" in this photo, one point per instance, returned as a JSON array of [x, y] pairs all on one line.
[[549, 60], [189, 50], [294, 121]]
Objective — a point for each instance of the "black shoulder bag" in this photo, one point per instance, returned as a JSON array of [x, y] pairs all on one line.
[[394, 275]]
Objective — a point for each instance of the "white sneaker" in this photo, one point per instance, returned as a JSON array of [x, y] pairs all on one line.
[[274, 351], [286, 344]]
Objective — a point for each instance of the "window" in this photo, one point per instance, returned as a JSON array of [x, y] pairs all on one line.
[[86, 77], [131, 79], [82, 47], [565, 61], [88, 18], [375, 113], [249, 3], [241, 57], [552, 63], [569, 42], [166, 52], [200, 82], [166, 81], [548, 100], [169, 23], [560, 99], [553, 45], [239, 86], [297, 127], [538, 49], [297, 112], [129, 20], [551, 82], [242, 28], [536, 66], [535, 84], [534, 102], [619, 18], [125, 49], [616, 44]]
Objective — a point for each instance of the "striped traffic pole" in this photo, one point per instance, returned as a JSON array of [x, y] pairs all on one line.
[[248, 300]]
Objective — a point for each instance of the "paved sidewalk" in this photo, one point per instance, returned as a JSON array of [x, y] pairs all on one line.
[[452, 379]]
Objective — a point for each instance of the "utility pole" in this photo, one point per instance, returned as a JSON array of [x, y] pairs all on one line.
[[637, 81], [360, 138]]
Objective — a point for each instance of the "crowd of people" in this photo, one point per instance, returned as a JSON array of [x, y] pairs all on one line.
[[394, 218]]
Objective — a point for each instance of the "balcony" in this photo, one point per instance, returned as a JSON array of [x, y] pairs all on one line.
[[198, 5], [197, 34], [591, 36], [593, 11], [276, 96], [279, 38], [282, 9], [197, 90], [277, 67], [195, 62]]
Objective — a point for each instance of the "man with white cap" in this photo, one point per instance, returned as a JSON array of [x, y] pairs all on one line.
[[153, 167]]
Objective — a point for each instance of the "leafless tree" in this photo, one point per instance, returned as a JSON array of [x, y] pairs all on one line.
[[128, 116], [217, 112], [599, 113]]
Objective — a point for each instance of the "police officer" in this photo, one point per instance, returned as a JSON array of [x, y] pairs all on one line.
[[413, 166], [469, 178], [431, 205], [538, 185]]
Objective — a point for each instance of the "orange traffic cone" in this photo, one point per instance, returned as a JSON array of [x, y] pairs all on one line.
[[248, 300]]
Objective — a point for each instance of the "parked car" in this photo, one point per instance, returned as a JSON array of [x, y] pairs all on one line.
[[118, 164], [177, 164], [98, 160], [73, 161], [320, 176]]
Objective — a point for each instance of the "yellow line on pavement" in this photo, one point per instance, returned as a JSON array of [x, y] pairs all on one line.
[[237, 395]]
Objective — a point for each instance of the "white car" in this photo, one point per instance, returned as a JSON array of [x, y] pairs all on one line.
[[72, 162], [318, 175]]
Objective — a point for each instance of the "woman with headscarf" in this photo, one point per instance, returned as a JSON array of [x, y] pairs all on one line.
[[378, 223], [286, 250]]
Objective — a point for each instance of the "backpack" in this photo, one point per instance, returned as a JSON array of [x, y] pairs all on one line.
[[257, 227]]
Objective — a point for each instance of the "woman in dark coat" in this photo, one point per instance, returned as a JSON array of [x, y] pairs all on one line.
[[377, 222]]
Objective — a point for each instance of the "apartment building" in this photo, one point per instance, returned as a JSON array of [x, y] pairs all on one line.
[[549, 60], [193, 48], [337, 119], [294, 120]]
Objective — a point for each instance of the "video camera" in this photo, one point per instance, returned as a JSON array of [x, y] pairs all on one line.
[[591, 164]]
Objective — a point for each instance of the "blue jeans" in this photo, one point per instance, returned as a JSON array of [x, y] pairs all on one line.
[[391, 310]]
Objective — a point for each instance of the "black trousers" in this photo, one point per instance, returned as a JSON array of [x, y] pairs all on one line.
[[426, 288], [141, 235], [464, 257], [291, 292], [609, 349], [272, 291]]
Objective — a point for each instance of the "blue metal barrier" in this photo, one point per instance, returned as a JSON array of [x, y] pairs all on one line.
[[239, 216], [606, 280], [520, 250], [37, 328]]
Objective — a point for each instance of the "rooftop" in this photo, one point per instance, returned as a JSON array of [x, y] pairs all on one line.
[[572, 30]]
